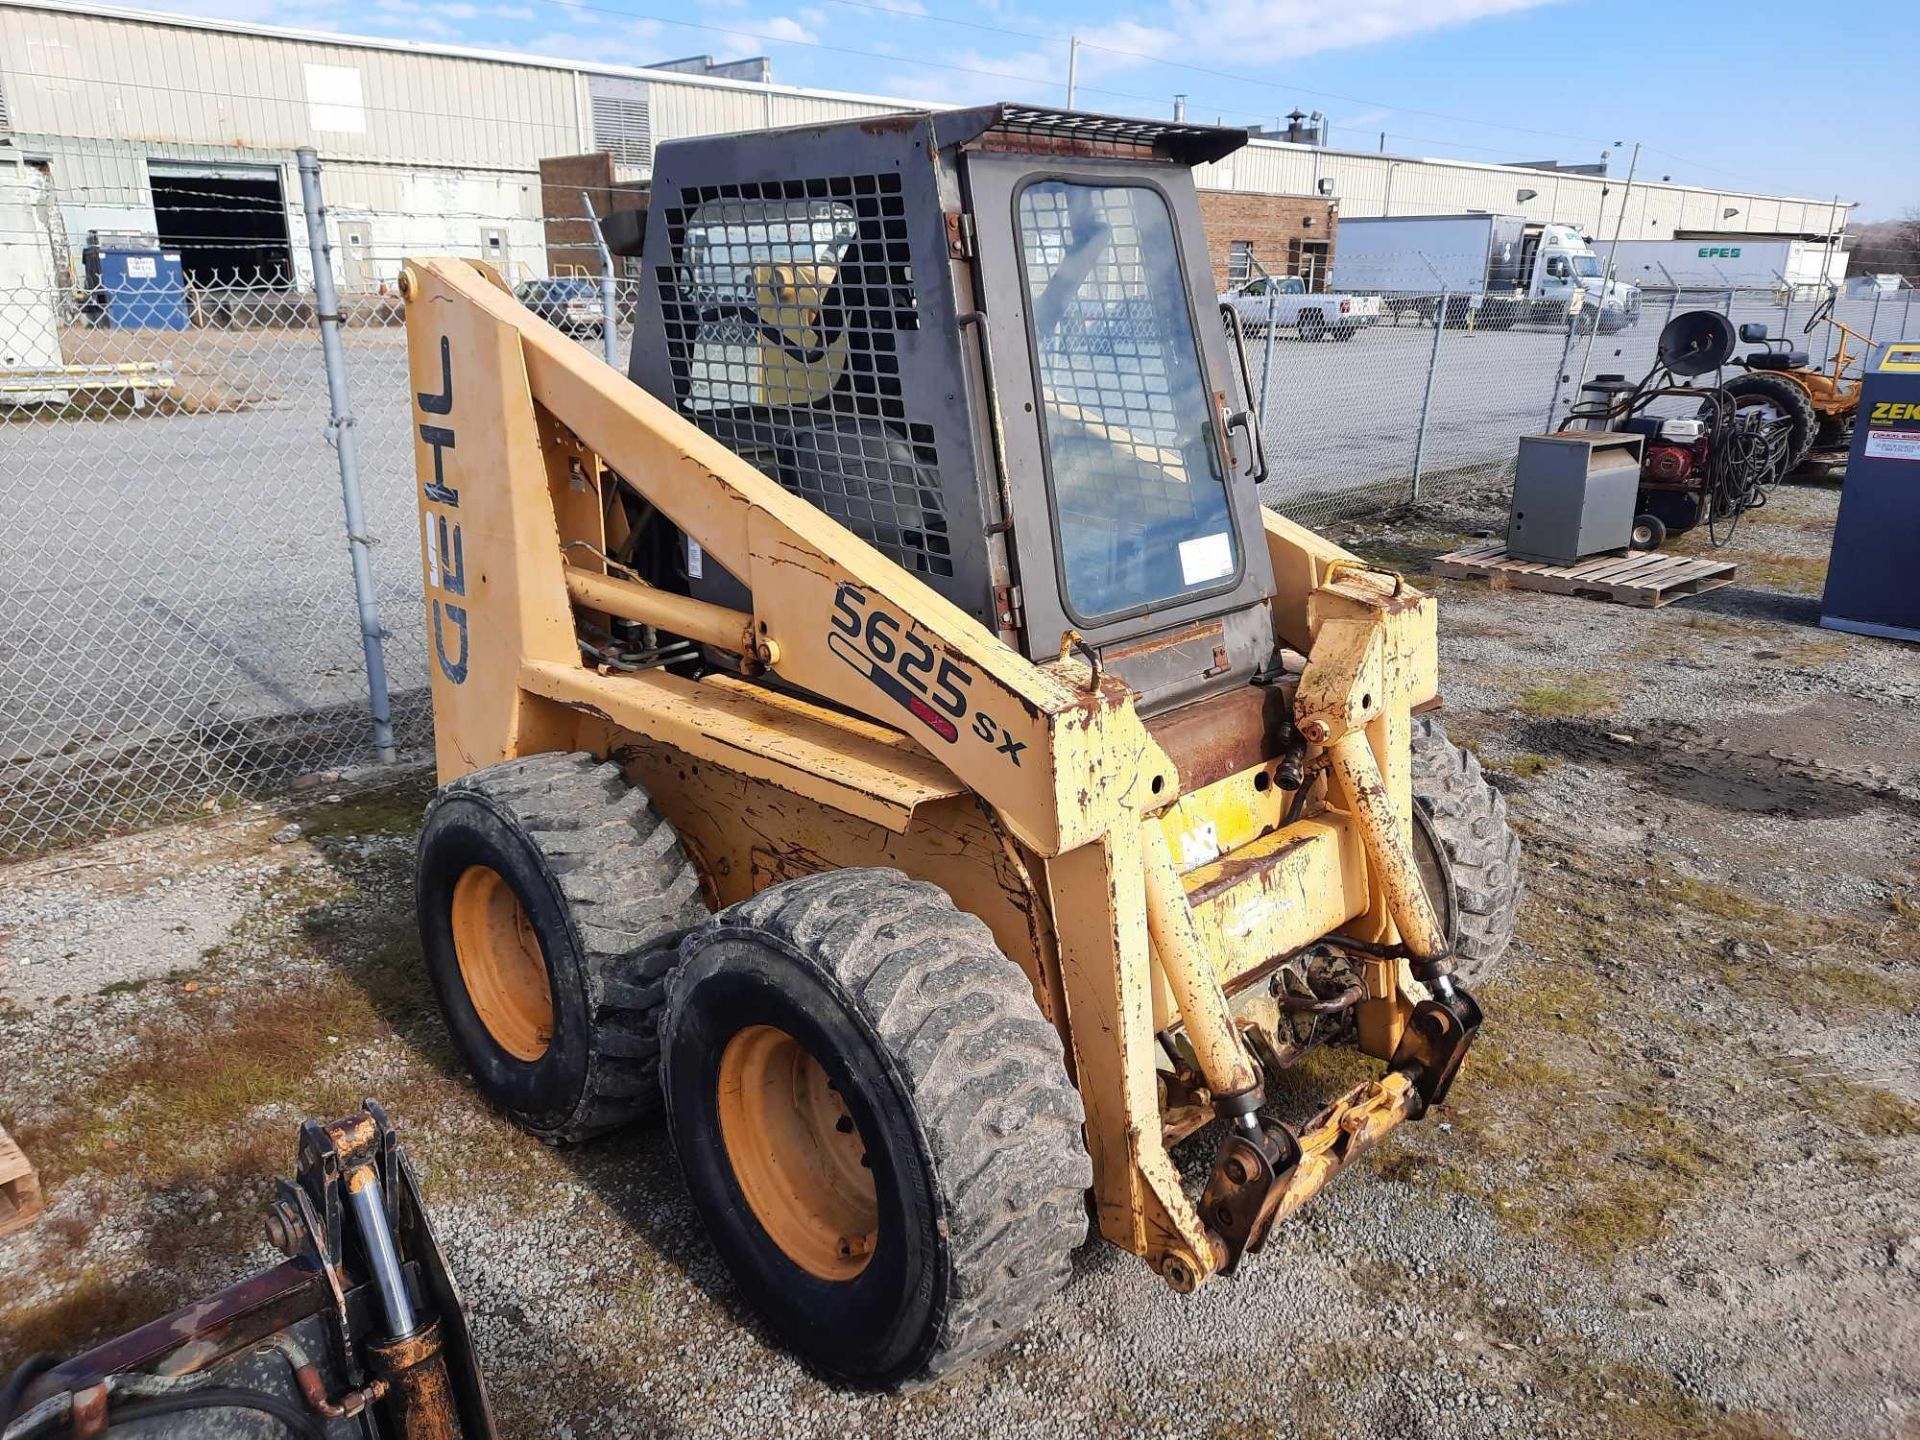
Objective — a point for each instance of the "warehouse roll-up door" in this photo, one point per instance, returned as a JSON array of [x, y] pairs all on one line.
[[229, 222]]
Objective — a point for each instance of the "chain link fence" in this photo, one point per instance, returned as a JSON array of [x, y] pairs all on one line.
[[1402, 410], [178, 615]]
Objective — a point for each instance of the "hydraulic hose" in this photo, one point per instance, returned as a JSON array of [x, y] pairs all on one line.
[[296, 1420], [24, 1375]]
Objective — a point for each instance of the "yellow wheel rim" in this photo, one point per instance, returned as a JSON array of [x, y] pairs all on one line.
[[797, 1153], [501, 964]]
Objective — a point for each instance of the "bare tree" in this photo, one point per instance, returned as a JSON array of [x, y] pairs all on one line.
[[1887, 246]]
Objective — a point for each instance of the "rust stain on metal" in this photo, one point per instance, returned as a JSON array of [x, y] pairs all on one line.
[[1206, 630], [1237, 870], [90, 1412], [1011, 142], [420, 1392], [1222, 735]]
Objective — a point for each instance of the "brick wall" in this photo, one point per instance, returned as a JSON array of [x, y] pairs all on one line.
[[565, 183], [1288, 232]]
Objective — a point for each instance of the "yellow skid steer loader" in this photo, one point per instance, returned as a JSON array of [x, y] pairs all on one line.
[[887, 733]]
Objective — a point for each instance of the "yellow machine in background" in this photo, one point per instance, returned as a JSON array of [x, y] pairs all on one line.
[[1817, 406], [892, 738]]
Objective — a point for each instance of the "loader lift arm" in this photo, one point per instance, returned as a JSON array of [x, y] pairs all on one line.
[[519, 431]]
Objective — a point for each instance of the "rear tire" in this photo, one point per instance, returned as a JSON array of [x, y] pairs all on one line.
[[551, 899], [1312, 325], [1788, 401], [860, 1008], [1833, 432], [1469, 856]]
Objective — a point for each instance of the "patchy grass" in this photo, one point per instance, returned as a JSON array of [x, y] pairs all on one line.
[[1711, 624], [1710, 898], [1865, 1111], [1635, 1402], [1798, 574], [1531, 766], [186, 1101], [94, 1308], [389, 809], [1408, 553], [1575, 695], [1817, 654]]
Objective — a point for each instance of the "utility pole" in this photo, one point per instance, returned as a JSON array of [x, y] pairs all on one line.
[[1073, 67]]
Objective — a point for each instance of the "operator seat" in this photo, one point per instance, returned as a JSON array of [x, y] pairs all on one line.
[[1755, 333]]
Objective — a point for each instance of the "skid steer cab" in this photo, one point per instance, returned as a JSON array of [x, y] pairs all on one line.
[[886, 735]]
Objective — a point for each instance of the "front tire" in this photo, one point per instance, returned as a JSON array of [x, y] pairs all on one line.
[[875, 1123], [551, 898], [1649, 532], [1469, 856]]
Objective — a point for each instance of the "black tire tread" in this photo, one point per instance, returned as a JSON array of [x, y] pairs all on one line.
[[1469, 818], [630, 893], [1789, 396], [985, 1073]]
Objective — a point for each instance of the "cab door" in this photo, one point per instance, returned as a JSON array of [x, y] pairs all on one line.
[[1130, 473]]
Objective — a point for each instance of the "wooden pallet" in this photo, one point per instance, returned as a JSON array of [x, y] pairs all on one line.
[[20, 1199], [1639, 577]]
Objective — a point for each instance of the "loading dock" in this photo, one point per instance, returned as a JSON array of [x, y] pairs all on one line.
[[229, 223]]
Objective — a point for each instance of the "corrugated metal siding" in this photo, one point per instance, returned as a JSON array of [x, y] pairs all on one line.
[[1367, 185], [100, 77], [680, 110], [78, 75]]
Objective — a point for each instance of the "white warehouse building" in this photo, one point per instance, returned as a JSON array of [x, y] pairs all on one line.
[[162, 125]]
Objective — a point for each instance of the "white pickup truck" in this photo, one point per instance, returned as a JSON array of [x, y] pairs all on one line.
[[1284, 302]]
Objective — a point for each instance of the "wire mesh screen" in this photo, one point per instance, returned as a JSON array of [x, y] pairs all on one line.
[[781, 303]]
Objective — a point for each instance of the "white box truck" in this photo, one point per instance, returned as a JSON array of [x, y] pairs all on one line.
[[1729, 262], [1496, 271]]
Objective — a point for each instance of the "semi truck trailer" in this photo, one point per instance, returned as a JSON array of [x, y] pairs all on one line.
[[1731, 262], [1494, 271]]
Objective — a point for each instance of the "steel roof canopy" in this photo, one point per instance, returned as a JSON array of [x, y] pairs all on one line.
[[1015, 126]]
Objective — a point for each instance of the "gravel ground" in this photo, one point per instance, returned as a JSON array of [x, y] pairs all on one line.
[[1677, 1192]]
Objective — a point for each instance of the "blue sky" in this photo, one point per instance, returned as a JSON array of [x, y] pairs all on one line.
[[1794, 98]]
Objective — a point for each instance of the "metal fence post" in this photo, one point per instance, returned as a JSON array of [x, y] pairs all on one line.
[[609, 334], [1266, 352], [1906, 319], [1560, 375], [1426, 398], [340, 423], [1873, 321]]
